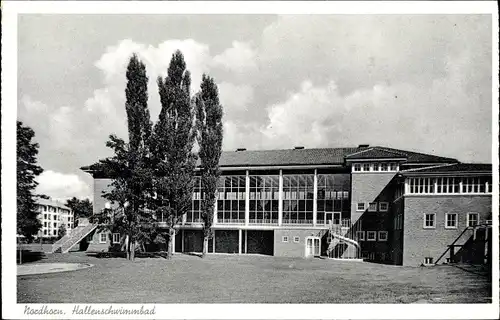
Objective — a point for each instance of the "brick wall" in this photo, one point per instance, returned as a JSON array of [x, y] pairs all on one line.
[[396, 236], [419, 242], [291, 248]]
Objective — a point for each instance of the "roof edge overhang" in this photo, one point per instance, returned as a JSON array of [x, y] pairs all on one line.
[[374, 159], [446, 174]]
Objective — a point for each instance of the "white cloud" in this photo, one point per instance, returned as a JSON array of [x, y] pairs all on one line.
[[59, 185], [241, 57], [235, 98]]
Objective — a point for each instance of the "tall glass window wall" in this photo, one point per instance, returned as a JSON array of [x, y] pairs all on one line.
[[195, 214], [333, 198], [264, 199], [231, 200], [298, 198]]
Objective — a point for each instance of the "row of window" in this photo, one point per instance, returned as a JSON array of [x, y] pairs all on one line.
[[449, 185], [103, 238], [372, 206], [47, 224], [54, 217], [375, 167], [52, 209], [296, 239], [371, 235], [451, 220]]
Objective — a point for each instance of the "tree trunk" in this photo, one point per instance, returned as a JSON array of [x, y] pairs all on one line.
[[205, 246], [171, 235], [132, 250], [127, 246]]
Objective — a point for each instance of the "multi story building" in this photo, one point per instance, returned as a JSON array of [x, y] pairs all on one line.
[[52, 215], [376, 203]]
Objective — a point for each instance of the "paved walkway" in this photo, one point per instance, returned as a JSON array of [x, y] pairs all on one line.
[[41, 268]]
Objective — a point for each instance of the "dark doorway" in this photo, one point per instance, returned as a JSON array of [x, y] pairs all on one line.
[[226, 241], [261, 242]]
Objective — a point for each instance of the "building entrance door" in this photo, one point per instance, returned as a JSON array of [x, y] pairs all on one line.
[[313, 247]]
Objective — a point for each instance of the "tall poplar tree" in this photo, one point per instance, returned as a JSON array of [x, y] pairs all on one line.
[[209, 136], [27, 170], [130, 166], [172, 147]]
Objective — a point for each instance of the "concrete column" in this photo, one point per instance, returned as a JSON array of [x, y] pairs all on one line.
[[315, 197], [407, 187], [280, 199], [239, 241], [173, 244], [461, 187], [247, 200], [246, 241], [213, 242]]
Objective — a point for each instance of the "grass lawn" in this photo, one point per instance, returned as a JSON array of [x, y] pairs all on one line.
[[249, 279]]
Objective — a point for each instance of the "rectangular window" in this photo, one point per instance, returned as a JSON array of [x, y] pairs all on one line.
[[45, 216], [296, 239], [372, 207], [428, 260], [55, 232], [366, 167], [357, 167], [284, 239], [360, 206], [472, 219], [429, 220], [55, 224], [384, 206], [360, 235], [102, 237], [383, 166], [394, 166], [116, 238], [371, 235], [45, 232], [451, 221], [376, 167], [382, 235], [45, 224]]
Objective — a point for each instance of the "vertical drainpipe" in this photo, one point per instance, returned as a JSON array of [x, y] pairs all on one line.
[[315, 197], [280, 199], [247, 199]]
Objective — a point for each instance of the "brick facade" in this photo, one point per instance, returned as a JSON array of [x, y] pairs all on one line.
[[420, 242]]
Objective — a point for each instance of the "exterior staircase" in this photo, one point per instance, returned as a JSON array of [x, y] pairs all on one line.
[[341, 244], [76, 235]]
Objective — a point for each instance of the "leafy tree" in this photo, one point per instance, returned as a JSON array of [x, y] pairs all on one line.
[[130, 166], [27, 170], [209, 136], [80, 208], [61, 231], [172, 147]]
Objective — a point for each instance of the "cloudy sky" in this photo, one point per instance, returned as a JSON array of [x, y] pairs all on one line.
[[416, 82]]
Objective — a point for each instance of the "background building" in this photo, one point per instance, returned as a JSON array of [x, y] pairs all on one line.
[[376, 203], [52, 215]]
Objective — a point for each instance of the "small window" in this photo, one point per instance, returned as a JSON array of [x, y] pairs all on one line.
[[357, 167], [296, 239], [451, 221], [116, 238], [472, 219], [284, 239], [428, 260], [371, 235], [376, 167], [382, 235], [45, 224], [360, 206], [45, 216], [366, 167], [55, 224], [55, 232], [429, 220], [102, 237], [393, 166], [384, 206], [372, 207], [360, 235], [383, 167], [45, 232]]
